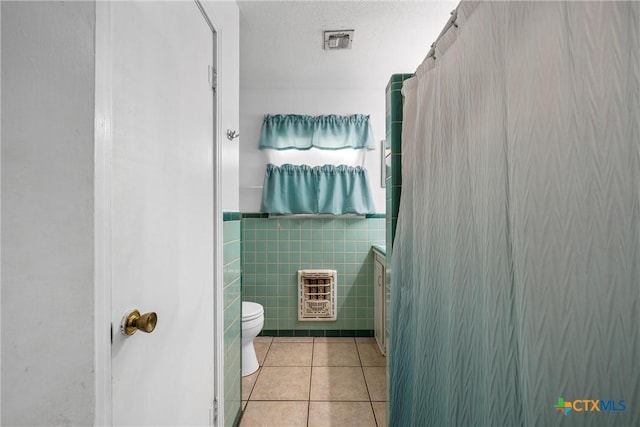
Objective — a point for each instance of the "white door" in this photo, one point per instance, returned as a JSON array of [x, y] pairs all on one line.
[[162, 241]]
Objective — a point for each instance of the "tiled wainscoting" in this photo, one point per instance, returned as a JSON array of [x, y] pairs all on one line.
[[274, 249], [232, 319]]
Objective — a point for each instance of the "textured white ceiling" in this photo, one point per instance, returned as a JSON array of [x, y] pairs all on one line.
[[281, 41]]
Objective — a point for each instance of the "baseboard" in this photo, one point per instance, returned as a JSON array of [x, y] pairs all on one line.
[[317, 333]]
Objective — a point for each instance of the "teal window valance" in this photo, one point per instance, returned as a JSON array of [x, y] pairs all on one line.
[[331, 132], [301, 189]]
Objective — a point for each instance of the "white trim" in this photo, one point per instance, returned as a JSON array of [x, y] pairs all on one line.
[[218, 227], [0, 222], [102, 218]]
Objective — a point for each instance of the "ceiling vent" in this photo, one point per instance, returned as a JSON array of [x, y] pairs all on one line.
[[334, 40]]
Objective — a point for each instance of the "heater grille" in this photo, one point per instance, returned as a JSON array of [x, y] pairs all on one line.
[[317, 294]]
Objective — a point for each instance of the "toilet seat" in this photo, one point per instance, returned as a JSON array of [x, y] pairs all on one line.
[[251, 311]]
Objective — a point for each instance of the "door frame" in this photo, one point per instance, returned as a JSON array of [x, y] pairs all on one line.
[[103, 143], [217, 415]]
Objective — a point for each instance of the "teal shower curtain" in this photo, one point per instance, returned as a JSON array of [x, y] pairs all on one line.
[[516, 262]]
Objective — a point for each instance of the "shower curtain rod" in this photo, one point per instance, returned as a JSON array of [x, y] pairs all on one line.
[[450, 22]]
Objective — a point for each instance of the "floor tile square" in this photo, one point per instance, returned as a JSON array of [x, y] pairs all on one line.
[[282, 383], [341, 414], [261, 347], [338, 383], [370, 353], [289, 354], [376, 378], [335, 354], [273, 414], [380, 411]]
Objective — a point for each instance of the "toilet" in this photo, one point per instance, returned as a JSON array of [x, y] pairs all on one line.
[[252, 322]]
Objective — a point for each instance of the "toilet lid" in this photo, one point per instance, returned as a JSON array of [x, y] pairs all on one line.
[[251, 310]]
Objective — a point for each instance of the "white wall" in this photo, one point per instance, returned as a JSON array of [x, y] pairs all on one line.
[[254, 103], [48, 81], [284, 68], [226, 20]]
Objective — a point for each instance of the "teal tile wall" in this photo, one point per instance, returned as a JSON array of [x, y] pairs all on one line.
[[232, 320], [274, 249], [393, 142]]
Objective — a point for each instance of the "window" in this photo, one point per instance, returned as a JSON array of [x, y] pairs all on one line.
[[315, 164]]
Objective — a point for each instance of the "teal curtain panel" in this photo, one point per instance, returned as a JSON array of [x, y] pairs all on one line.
[[289, 189], [301, 189], [330, 132]]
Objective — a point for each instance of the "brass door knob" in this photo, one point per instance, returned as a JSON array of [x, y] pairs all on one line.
[[134, 321]]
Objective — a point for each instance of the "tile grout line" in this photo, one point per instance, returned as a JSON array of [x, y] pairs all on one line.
[[260, 366], [366, 385], [254, 384], [375, 417], [313, 350], [253, 387]]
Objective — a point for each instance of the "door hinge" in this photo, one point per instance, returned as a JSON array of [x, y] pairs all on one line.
[[212, 77], [214, 413]]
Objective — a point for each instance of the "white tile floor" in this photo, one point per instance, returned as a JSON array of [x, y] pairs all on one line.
[[316, 382]]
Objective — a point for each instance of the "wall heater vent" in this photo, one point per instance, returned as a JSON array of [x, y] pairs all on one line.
[[317, 295]]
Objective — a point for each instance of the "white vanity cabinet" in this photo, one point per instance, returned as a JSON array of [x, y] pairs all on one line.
[[378, 300]]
